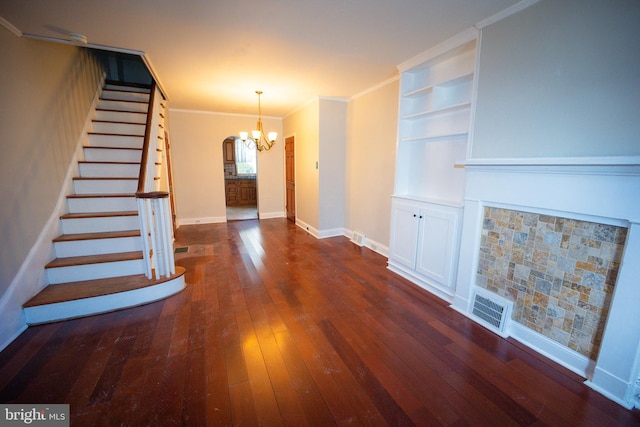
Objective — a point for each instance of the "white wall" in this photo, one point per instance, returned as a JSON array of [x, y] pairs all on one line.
[[196, 149], [560, 79]]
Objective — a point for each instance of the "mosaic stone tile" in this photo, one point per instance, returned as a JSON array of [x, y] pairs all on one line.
[[560, 272]]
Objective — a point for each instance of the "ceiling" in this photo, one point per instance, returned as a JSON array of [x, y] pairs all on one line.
[[213, 55]]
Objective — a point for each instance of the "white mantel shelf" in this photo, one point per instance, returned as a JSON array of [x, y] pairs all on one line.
[[555, 161]]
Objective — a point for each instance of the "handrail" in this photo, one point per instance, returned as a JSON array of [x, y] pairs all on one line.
[[147, 137], [153, 205]]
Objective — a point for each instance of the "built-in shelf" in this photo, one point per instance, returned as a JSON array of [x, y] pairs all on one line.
[[441, 110], [439, 137]]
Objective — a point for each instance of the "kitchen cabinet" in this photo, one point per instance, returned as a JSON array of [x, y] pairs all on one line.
[[241, 192], [229, 150]]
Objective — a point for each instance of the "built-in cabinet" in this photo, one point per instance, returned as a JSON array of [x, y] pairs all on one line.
[[435, 114]]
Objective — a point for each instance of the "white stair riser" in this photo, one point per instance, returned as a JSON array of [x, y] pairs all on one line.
[[105, 186], [121, 116], [101, 204], [123, 141], [123, 106], [125, 95], [97, 246], [92, 154], [100, 224], [109, 170], [119, 128], [103, 270]]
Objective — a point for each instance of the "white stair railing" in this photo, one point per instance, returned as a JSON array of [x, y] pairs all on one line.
[[153, 206]]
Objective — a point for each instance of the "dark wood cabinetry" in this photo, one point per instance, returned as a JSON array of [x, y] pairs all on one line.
[[229, 150], [241, 192]]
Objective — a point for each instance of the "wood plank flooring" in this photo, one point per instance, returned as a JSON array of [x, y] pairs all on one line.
[[278, 328]]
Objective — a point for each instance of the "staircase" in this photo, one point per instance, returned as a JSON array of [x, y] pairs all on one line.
[[99, 264]]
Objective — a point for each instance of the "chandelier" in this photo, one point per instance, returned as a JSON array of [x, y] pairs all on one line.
[[258, 137]]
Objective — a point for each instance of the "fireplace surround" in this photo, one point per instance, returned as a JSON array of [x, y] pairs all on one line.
[[551, 195]]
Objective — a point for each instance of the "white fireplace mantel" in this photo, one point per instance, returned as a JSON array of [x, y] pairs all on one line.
[[597, 189]]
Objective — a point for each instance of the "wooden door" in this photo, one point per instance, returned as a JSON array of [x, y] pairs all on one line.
[[290, 178]]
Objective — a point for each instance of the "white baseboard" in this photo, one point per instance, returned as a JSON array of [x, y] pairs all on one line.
[[201, 220], [309, 229], [333, 232], [270, 215], [555, 351]]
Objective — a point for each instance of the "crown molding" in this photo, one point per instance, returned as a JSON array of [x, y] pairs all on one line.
[[9, 26], [505, 13]]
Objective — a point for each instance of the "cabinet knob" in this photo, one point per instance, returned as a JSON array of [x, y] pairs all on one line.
[[420, 216], [414, 215]]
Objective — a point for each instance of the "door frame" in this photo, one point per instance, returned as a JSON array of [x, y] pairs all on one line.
[[290, 161]]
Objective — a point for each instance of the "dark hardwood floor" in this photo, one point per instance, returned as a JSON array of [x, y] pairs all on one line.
[[278, 328]]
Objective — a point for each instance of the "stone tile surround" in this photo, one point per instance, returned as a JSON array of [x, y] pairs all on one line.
[[559, 272]]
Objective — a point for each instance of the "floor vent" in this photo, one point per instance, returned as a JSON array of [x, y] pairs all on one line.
[[182, 250], [491, 310], [358, 238]]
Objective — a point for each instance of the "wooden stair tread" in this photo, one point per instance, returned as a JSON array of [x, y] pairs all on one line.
[[108, 163], [99, 178], [94, 259], [124, 100], [101, 147], [115, 110], [98, 214], [101, 195], [118, 122], [93, 288], [115, 134], [99, 235]]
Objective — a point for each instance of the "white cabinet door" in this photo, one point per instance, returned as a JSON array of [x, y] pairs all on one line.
[[437, 235], [404, 234]]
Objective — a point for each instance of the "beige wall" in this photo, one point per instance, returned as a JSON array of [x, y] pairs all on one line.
[[304, 125], [370, 161], [47, 90], [332, 137], [196, 149]]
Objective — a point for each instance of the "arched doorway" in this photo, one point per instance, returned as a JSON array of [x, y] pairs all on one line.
[[240, 164]]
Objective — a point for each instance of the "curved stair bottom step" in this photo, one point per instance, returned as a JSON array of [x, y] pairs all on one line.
[[54, 304]]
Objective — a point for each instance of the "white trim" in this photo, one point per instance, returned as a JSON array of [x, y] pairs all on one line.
[[306, 227], [270, 215], [89, 45], [614, 383], [444, 47], [201, 220], [555, 161], [376, 87], [334, 98], [553, 350], [9, 26], [301, 106], [421, 281], [332, 232], [505, 13], [152, 71], [217, 113]]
